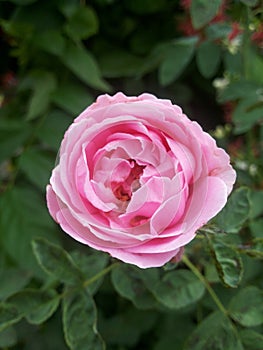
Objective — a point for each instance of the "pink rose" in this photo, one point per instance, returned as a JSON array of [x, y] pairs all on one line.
[[136, 178]]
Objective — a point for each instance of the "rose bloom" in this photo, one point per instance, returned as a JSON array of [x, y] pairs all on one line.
[[136, 178]]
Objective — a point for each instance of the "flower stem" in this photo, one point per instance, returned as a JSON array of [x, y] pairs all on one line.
[[198, 274], [100, 274]]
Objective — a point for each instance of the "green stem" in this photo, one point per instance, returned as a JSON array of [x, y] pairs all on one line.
[[198, 274], [100, 274]]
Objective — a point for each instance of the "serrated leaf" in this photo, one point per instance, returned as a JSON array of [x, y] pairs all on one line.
[[131, 283], [37, 165], [82, 63], [56, 261], [251, 339], [44, 83], [8, 316], [35, 305], [246, 307], [91, 263], [178, 289], [227, 261], [176, 58], [203, 11], [208, 58], [23, 215], [214, 332], [12, 280], [236, 211], [82, 24], [80, 321]]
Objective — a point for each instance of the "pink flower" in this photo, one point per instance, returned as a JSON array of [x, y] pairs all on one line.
[[136, 178]]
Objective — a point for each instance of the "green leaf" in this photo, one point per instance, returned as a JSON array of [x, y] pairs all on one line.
[[214, 332], [246, 307], [178, 289], [248, 113], [8, 316], [208, 58], [72, 97], [53, 128], [12, 280], [82, 24], [238, 90], [233, 64], [154, 59], [8, 338], [37, 165], [218, 30], [116, 63], [56, 261], [81, 62], [256, 227], [256, 202], [44, 83], [51, 41], [227, 260], [123, 328], [13, 134], [177, 56], [236, 211], [23, 215], [203, 11], [80, 321], [250, 3], [91, 263], [251, 339], [35, 305], [132, 283]]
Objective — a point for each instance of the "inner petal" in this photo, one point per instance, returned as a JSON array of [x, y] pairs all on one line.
[[125, 179]]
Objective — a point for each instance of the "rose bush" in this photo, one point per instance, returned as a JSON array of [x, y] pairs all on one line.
[[136, 178]]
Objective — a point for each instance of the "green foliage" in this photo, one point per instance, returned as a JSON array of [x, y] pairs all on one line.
[[56, 262], [131, 283], [246, 307], [56, 57], [208, 58], [227, 261], [35, 305], [79, 322], [236, 212], [18, 228], [221, 334], [202, 12], [176, 57], [178, 289]]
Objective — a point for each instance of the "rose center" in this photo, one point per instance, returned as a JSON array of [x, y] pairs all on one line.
[[123, 190]]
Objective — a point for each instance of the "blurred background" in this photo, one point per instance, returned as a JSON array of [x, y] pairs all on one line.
[[56, 57]]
